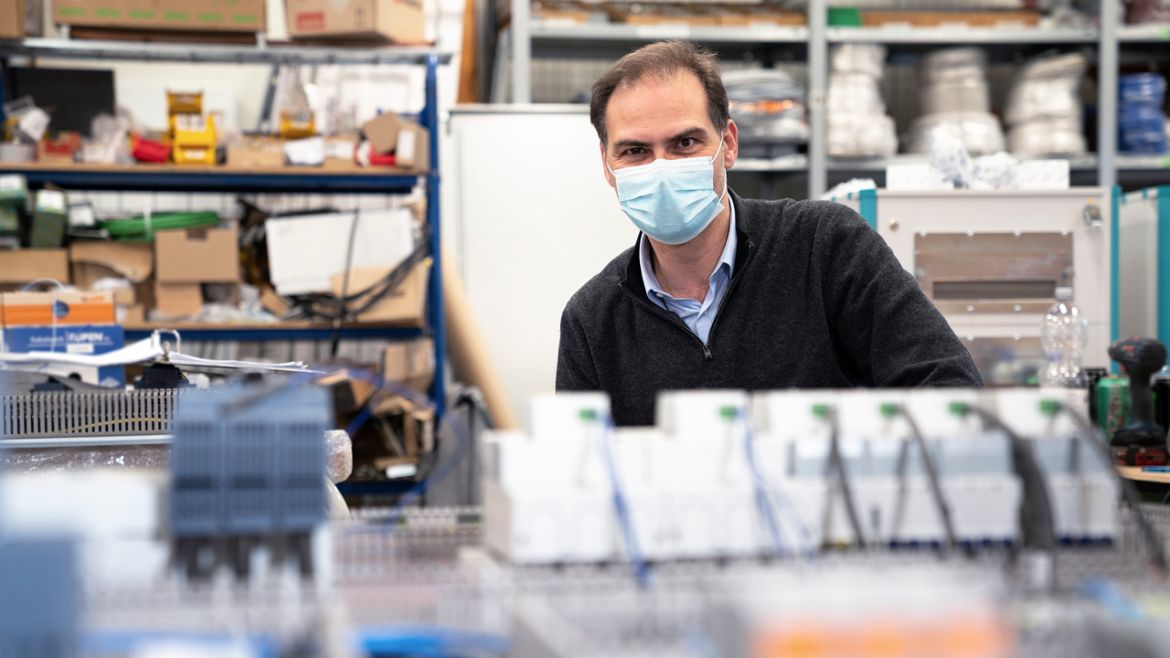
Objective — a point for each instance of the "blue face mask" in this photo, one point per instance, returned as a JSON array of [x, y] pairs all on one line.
[[671, 201]]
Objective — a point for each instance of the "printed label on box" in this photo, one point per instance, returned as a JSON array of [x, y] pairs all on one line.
[[313, 20]]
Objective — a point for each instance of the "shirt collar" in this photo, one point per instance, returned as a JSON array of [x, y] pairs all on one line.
[[726, 259]]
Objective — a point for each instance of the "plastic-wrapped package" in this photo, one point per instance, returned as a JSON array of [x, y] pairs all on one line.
[[857, 123], [958, 95], [865, 58], [1044, 107], [1140, 119], [956, 103], [339, 448], [768, 106], [950, 158], [994, 172], [861, 135], [979, 132], [1047, 137], [954, 64], [855, 93]]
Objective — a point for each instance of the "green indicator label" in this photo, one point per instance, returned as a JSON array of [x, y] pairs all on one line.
[[1165, 34], [210, 18], [177, 16], [1166, 161], [246, 19], [142, 14], [107, 13], [71, 11]]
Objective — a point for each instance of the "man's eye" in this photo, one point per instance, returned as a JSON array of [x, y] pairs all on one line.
[[686, 142], [634, 150]]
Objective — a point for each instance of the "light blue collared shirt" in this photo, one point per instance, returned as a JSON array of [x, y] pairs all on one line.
[[698, 316]]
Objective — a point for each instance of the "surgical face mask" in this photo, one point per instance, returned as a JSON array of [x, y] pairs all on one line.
[[671, 201]]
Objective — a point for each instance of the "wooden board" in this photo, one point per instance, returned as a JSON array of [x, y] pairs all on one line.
[[1136, 474], [880, 18], [161, 36]]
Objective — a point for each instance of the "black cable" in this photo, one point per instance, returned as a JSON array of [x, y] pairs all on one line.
[[837, 463], [335, 339], [944, 510], [1089, 434], [1037, 521]]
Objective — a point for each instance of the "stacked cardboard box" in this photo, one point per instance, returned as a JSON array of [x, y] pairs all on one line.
[[400, 21], [186, 15], [186, 259], [100, 262]]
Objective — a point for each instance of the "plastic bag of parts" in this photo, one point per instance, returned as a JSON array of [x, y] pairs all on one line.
[[861, 135], [979, 132], [30, 460], [1047, 138], [855, 93], [857, 123], [953, 65], [956, 168], [339, 451], [108, 143], [768, 106], [1044, 108], [865, 58], [959, 95], [1142, 125]]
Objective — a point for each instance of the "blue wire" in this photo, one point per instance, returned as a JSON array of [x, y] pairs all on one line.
[[429, 642], [622, 509], [763, 501]]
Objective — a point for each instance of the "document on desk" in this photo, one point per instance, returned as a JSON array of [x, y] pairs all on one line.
[[146, 350]]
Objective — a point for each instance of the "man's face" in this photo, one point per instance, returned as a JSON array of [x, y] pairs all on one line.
[[664, 118]]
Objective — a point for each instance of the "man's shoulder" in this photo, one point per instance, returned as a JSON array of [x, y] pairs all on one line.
[[600, 291], [790, 214]]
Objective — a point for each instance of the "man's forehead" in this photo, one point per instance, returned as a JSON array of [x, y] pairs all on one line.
[[662, 106]]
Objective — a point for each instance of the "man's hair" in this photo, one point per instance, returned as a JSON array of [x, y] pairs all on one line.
[[663, 60]]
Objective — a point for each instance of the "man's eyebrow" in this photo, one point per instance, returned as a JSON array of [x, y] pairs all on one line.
[[696, 132]]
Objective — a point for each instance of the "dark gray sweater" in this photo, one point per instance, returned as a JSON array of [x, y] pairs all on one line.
[[817, 300]]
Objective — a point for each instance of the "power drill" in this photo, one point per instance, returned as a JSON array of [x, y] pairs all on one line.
[[1142, 442]]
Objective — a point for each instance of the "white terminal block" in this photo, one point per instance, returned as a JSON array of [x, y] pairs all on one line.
[[692, 491], [1081, 484], [546, 494]]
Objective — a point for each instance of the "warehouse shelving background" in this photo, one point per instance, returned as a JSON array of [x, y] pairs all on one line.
[[555, 61], [131, 188]]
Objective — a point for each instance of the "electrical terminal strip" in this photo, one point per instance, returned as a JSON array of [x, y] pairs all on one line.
[[727, 475]]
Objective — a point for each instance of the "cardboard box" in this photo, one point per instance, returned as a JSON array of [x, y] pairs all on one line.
[[405, 305], [24, 265], [92, 260], [256, 153], [12, 19], [401, 21], [409, 141], [61, 308], [410, 363], [133, 315], [189, 15], [74, 339], [197, 256], [178, 299]]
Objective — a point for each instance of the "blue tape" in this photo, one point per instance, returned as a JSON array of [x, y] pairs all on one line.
[[868, 207]]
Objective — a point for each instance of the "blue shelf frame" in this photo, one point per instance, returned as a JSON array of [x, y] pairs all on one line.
[[177, 180], [192, 181]]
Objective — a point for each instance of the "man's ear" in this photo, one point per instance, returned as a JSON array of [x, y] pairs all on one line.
[[605, 167], [730, 144]]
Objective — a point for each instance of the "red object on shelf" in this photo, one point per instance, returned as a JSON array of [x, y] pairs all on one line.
[[382, 159], [146, 150]]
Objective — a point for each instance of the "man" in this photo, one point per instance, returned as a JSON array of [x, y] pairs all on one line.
[[725, 292]]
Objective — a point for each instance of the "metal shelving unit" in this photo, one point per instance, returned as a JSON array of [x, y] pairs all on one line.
[[219, 179], [1106, 40]]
